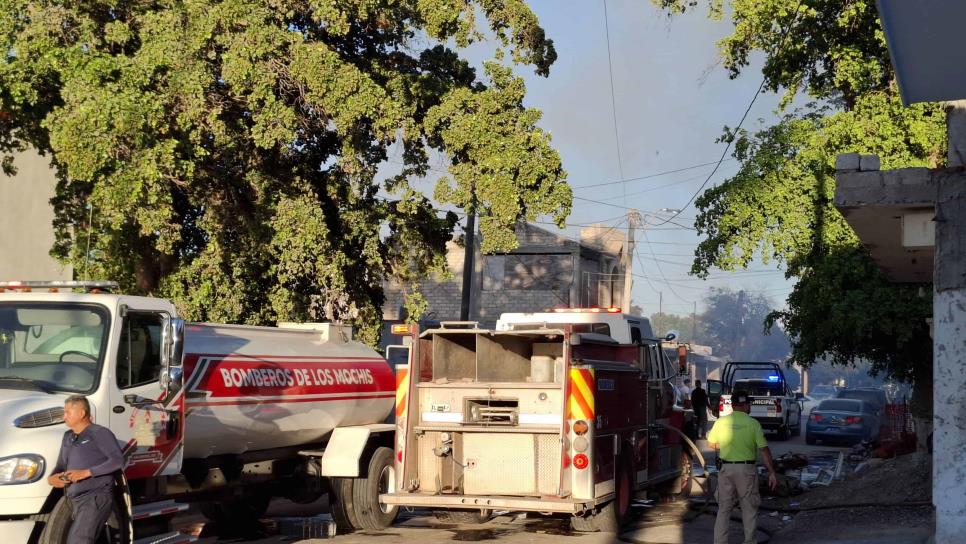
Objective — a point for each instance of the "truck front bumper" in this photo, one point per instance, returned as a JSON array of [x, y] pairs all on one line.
[[477, 502], [16, 532]]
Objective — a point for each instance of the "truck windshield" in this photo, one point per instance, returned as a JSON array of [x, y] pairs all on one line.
[[54, 347]]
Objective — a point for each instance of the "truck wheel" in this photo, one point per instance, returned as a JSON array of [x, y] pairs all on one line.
[[340, 504], [472, 517], [371, 514], [237, 516], [57, 524], [610, 517], [797, 430], [679, 488], [782, 433]]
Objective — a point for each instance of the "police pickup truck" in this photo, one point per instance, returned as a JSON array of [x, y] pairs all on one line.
[[773, 403]]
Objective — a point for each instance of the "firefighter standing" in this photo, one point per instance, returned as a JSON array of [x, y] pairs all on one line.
[[738, 439], [699, 403]]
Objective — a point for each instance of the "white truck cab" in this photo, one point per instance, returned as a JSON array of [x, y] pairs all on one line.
[[54, 343]]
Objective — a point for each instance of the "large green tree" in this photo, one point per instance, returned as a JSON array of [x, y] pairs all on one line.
[[779, 206], [227, 153]]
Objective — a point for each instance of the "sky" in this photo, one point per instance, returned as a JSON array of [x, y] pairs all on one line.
[[671, 100]]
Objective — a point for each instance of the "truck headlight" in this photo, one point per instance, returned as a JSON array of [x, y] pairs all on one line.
[[21, 469]]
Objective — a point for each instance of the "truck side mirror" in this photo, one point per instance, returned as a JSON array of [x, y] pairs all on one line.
[[172, 351]]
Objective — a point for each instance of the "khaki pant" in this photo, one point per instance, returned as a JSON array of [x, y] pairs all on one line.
[[737, 484]]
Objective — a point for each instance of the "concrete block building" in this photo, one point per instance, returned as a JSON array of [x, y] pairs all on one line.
[[546, 271]]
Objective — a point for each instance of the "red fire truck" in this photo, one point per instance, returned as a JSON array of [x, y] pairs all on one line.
[[536, 417]]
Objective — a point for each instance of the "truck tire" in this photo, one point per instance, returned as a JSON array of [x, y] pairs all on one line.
[[370, 514], [797, 429], [610, 517], [679, 488], [340, 504], [237, 516], [782, 433], [57, 524], [469, 517]]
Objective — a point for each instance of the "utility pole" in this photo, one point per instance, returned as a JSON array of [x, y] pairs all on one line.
[[469, 239], [660, 302], [694, 321], [626, 255]]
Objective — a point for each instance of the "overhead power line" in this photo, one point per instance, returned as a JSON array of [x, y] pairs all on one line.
[[761, 86], [649, 176], [613, 101]]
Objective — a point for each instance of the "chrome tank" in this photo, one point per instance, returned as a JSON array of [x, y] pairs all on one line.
[[256, 388]]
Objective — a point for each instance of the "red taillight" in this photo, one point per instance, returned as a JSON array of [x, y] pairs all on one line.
[[721, 405], [581, 461], [778, 406], [565, 461], [815, 417], [853, 419], [399, 456]]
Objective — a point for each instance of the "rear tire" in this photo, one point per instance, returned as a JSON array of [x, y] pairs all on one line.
[[610, 517], [782, 433], [797, 429], [471, 517], [370, 514], [340, 504], [679, 488], [237, 516]]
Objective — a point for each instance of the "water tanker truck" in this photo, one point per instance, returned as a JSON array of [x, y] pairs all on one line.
[[228, 416]]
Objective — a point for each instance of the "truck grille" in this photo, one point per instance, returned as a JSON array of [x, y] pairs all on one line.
[[41, 418]]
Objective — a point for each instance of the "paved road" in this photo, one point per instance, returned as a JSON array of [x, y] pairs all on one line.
[[652, 523]]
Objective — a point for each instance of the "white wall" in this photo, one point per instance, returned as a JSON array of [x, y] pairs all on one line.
[[26, 217]]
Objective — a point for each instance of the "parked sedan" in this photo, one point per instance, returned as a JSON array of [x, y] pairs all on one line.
[[842, 420], [873, 396]]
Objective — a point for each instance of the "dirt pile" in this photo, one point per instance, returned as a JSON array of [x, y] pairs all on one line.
[[907, 478]]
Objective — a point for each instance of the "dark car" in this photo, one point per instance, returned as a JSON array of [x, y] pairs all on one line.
[[822, 392], [842, 420], [870, 395]]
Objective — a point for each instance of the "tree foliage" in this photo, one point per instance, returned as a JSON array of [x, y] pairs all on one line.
[[227, 153], [732, 325], [779, 206], [689, 330]]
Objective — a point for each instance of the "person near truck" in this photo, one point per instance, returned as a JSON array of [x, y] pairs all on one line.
[[739, 438], [700, 405], [88, 461]]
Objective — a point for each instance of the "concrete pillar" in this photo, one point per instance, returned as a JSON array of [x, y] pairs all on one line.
[[949, 359], [956, 133]]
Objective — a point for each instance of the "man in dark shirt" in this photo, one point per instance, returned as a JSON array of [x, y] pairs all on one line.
[[89, 458], [699, 403]]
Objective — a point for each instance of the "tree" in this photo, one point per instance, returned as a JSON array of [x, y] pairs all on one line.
[[662, 323], [780, 203], [732, 325], [225, 153]]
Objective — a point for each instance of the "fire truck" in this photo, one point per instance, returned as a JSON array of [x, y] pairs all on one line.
[[225, 415], [549, 414]]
